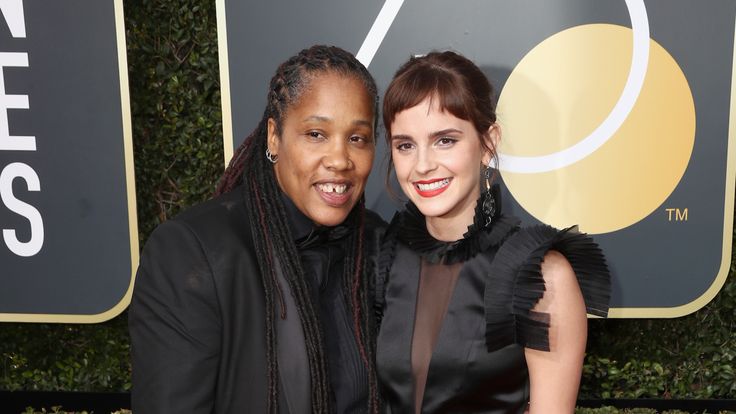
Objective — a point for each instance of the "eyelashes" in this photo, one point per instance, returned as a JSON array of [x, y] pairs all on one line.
[[441, 142], [357, 139]]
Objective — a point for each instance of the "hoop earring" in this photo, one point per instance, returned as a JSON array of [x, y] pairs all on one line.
[[489, 202], [273, 158]]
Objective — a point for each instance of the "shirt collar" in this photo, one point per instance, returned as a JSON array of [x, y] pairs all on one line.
[[307, 234], [299, 224]]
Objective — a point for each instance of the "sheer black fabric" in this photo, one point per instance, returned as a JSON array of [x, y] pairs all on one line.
[[477, 363], [436, 284]]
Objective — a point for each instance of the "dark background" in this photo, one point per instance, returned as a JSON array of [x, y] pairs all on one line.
[[175, 100], [682, 261], [73, 87]]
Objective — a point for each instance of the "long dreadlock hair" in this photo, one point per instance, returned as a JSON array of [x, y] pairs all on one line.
[[272, 237]]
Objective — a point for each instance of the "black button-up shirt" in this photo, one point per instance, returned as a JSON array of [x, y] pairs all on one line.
[[322, 252]]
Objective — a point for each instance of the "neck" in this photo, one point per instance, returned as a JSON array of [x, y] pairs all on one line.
[[453, 225]]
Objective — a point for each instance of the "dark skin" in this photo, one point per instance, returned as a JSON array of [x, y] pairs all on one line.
[[325, 147]]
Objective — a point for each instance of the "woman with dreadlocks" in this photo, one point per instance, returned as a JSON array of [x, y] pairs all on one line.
[[255, 301], [480, 315]]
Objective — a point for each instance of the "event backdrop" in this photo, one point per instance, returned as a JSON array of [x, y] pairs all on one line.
[[616, 115], [67, 211]]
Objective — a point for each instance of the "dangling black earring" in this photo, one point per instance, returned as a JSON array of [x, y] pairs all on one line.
[[489, 202]]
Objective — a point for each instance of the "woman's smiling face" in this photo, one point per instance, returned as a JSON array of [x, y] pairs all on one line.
[[325, 147], [437, 157]]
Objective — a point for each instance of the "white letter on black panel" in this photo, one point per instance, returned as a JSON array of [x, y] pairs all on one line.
[[10, 173]]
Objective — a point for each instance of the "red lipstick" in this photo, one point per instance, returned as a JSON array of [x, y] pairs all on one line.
[[432, 188]]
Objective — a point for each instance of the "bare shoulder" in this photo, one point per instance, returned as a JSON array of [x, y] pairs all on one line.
[[561, 285], [557, 269]]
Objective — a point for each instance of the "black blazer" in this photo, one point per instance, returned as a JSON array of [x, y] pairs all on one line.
[[197, 317]]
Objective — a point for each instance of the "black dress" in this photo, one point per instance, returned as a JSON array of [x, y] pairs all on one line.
[[456, 316]]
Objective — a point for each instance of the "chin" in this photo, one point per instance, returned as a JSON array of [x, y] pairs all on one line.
[[330, 218], [429, 207], [432, 211]]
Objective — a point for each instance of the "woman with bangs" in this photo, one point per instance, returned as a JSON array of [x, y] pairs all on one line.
[[478, 314]]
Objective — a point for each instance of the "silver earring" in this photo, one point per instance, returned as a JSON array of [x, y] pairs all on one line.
[[273, 158], [489, 202]]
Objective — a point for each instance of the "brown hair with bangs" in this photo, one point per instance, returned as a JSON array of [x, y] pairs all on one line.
[[459, 86]]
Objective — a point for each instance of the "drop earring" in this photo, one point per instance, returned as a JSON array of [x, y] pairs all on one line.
[[489, 202]]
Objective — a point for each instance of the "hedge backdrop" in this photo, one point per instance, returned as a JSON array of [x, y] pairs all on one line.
[[177, 132]]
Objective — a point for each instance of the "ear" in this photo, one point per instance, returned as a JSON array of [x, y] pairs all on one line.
[[492, 139], [273, 139]]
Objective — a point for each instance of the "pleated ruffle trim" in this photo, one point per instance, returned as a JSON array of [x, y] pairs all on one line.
[[478, 237], [515, 283], [516, 274], [409, 227]]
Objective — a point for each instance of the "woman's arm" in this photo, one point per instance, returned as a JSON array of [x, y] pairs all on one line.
[[555, 375], [174, 325]]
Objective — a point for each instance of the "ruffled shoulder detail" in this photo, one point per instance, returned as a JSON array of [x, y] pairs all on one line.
[[516, 274]]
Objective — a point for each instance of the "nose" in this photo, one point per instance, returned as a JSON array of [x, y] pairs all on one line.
[[337, 157], [426, 161]]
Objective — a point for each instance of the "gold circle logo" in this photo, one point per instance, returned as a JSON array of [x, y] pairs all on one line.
[[561, 94]]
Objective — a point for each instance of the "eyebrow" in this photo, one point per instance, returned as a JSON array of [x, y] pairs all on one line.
[[434, 134], [445, 132], [318, 118], [401, 137]]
